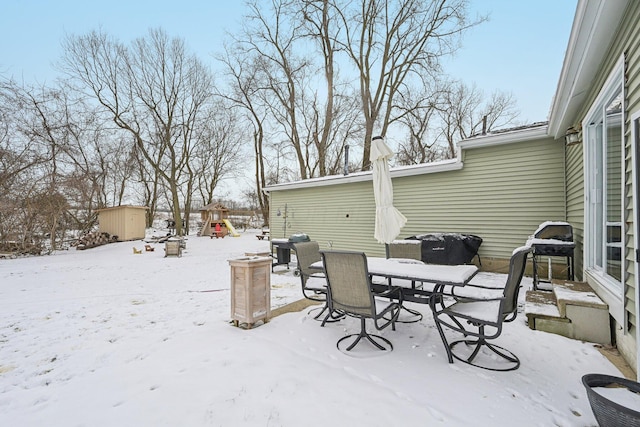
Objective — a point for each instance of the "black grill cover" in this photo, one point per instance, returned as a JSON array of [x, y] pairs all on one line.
[[448, 248]]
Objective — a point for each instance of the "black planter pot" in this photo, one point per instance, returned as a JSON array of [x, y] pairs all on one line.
[[607, 412]]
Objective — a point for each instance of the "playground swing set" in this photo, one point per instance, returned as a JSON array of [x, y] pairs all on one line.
[[215, 222]]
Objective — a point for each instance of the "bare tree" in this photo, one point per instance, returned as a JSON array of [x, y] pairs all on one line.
[[18, 152], [464, 112], [271, 35], [392, 41], [244, 93], [218, 149], [458, 110], [36, 167], [321, 25], [417, 111], [292, 46], [346, 130], [153, 90], [499, 111]]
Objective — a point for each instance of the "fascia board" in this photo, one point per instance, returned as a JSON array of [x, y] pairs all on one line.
[[402, 171], [594, 27]]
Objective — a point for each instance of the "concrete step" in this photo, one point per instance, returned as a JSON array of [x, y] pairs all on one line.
[[576, 294], [541, 304], [570, 309], [541, 309]]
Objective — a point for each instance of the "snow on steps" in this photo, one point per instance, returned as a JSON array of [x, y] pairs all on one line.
[[571, 309]]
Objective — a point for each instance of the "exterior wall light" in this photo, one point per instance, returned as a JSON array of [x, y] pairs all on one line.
[[573, 136]]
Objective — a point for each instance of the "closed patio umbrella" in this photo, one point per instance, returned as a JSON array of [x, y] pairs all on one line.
[[389, 220]]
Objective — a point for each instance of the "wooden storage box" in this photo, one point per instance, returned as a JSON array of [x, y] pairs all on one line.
[[250, 290], [172, 248]]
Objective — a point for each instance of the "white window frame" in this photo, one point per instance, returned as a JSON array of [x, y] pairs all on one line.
[[609, 289], [635, 184]]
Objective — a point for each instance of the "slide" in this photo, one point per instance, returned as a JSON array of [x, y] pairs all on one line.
[[232, 230]]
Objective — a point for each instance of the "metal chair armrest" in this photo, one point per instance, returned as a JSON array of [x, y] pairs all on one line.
[[394, 292]]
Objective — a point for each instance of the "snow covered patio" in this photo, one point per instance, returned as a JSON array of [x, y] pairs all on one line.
[[106, 337]]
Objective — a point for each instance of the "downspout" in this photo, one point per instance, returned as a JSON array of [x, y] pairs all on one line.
[[564, 182]]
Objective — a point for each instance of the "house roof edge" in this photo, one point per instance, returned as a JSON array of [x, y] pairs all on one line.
[[508, 136], [397, 172], [590, 37]]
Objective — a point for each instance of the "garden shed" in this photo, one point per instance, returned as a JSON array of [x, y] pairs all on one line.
[[126, 222]]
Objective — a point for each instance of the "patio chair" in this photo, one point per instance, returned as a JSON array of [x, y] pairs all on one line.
[[484, 313], [314, 282], [350, 293], [406, 249]]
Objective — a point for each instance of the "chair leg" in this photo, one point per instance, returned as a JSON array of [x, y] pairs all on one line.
[[412, 312], [317, 316], [331, 316], [443, 338], [364, 334], [417, 316], [506, 355]]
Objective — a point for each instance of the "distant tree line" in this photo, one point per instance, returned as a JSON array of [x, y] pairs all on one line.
[[147, 123]]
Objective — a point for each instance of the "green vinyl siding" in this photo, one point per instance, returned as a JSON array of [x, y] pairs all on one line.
[[337, 216], [632, 92], [575, 201], [501, 194]]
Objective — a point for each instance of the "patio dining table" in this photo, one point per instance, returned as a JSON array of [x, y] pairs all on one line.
[[409, 271]]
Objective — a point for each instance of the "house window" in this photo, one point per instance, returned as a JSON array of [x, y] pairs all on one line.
[[603, 180]]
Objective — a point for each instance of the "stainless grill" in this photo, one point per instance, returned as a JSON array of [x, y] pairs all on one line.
[[552, 239]]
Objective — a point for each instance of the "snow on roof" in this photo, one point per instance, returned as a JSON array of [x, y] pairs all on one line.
[[121, 207], [531, 132]]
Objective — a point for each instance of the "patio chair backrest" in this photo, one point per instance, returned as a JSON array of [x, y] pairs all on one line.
[[517, 265], [348, 281], [409, 249], [306, 254]]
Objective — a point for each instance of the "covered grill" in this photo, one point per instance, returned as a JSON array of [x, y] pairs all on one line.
[[552, 239], [449, 248], [283, 248]]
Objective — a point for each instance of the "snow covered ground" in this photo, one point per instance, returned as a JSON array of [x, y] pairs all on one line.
[[106, 337]]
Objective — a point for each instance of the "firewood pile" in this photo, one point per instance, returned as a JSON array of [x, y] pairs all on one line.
[[94, 239], [19, 248]]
